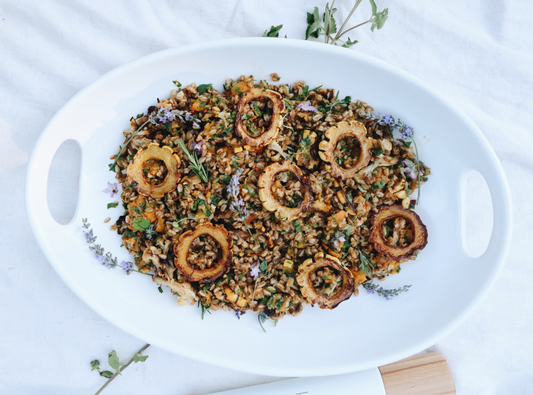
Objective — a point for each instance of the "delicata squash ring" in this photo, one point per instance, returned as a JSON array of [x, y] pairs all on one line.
[[270, 203], [275, 123], [181, 252], [338, 132], [309, 292], [135, 171], [385, 213]]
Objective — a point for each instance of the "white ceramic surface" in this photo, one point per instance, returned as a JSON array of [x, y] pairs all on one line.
[[361, 333]]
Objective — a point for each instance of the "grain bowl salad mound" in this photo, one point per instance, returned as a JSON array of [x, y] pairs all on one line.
[[267, 197]]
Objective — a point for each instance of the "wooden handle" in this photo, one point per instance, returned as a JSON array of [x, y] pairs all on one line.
[[425, 374]]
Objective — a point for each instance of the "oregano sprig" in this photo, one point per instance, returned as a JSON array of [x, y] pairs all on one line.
[[116, 365]]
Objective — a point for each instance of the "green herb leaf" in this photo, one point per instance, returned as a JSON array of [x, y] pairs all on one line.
[[177, 83], [160, 289], [141, 224], [140, 115], [196, 203], [251, 192], [202, 88], [106, 373], [289, 105], [297, 226], [378, 19], [313, 24], [112, 205], [138, 357], [376, 151], [114, 361], [273, 32], [263, 266], [215, 200], [349, 43], [95, 365], [379, 184]]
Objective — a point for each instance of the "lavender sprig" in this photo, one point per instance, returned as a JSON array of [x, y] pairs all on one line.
[[386, 293], [101, 256], [163, 116], [197, 167], [406, 133], [238, 205]]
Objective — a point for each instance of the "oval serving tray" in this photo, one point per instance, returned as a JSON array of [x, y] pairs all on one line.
[[364, 332]]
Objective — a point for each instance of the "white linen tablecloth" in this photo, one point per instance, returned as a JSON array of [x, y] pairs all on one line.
[[479, 54]]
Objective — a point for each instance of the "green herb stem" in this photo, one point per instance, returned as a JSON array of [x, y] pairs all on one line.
[[113, 166], [417, 172], [355, 27], [121, 370], [348, 18]]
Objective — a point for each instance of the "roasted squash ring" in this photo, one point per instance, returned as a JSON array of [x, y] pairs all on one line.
[[267, 178], [181, 252], [277, 107], [135, 171], [333, 136], [385, 213], [309, 292]]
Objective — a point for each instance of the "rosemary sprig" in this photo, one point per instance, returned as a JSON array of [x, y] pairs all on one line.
[[196, 166], [365, 264], [112, 166]]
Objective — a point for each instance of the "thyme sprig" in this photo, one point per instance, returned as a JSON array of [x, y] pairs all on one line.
[[386, 293], [115, 364], [197, 167]]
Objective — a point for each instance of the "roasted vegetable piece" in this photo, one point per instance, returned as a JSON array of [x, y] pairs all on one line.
[[275, 122], [333, 136], [136, 175], [342, 292], [267, 179], [181, 252], [419, 237]]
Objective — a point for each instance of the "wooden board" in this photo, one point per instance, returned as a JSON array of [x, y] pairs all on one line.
[[425, 374]]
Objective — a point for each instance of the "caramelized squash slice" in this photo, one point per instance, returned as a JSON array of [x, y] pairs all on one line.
[[275, 123], [267, 179], [343, 291], [136, 175], [386, 213], [181, 252], [329, 144]]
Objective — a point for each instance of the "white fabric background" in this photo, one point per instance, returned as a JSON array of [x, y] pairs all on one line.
[[477, 53]]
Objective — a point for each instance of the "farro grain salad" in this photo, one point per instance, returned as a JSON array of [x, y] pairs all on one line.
[[266, 197]]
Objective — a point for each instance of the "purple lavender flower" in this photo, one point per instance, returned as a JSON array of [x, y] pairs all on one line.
[[338, 239], [112, 189], [238, 314], [306, 106], [89, 236], [127, 266], [369, 291], [255, 271], [198, 148], [195, 125], [100, 259], [406, 133], [188, 117], [410, 168]]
